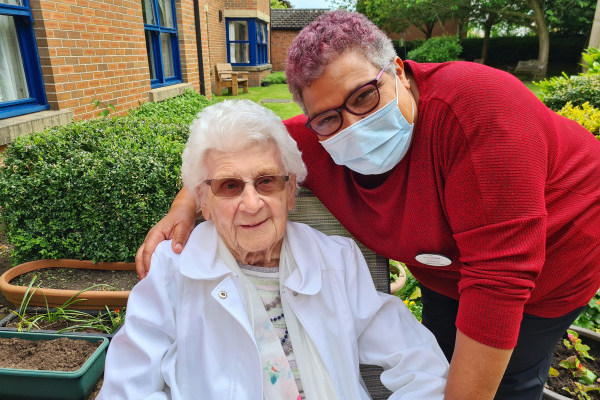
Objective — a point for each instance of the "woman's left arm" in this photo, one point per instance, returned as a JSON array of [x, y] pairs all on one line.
[[391, 337]]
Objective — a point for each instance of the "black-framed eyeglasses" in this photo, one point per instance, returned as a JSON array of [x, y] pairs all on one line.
[[233, 187], [360, 102]]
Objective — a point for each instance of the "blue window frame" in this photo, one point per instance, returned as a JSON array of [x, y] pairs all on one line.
[[21, 85], [160, 25], [247, 41]]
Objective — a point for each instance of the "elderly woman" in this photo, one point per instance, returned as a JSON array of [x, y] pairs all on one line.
[[459, 171], [255, 306]]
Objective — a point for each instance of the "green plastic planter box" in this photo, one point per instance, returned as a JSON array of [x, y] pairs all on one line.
[[25, 384]]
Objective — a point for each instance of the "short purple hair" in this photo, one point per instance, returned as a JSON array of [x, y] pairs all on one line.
[[329, 36]]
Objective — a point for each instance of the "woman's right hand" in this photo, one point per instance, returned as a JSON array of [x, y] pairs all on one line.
[[176, 225]]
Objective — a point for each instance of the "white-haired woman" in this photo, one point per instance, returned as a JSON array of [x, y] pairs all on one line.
[[256, 307]]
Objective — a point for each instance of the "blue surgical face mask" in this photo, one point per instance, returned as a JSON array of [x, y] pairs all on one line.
[[376, 143]]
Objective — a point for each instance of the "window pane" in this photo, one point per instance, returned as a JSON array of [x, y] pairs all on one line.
[[13, 84], [167, 55], [239, 53], [238, 30], [151, 56], [148, 11], [12, 2], [165, 13]]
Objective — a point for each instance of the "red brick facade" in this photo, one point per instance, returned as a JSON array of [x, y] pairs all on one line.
[[91, 50], [96, 49], [280, 42]]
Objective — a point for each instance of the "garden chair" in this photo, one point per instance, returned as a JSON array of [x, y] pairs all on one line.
[[311, 211], [226, 77]]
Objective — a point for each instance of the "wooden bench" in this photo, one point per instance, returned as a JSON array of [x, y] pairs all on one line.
[[533, 67], [226, 77]]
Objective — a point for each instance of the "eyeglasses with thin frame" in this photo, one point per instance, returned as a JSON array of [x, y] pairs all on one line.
[[360, 102], [232, 187]]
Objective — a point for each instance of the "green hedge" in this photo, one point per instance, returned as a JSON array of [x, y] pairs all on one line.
[[91, 190], [437, 49], [509, 50], [556, 92], [275, 78]]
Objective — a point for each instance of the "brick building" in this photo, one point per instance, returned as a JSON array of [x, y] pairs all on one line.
[[59, 56], [287, 23], [285, 26]]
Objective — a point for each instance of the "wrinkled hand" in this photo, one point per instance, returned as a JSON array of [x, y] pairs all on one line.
[[176, 225]]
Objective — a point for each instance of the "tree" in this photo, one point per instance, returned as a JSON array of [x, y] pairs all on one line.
[[279, 4], [595, 33], [397, 15]]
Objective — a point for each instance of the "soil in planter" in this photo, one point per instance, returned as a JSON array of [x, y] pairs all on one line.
[[78, 279], [565, 379], [54, 355]]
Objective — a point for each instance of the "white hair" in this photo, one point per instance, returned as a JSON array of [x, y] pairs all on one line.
[[233, 125]]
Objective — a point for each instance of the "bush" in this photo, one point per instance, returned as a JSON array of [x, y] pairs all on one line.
[[585, 115], [176, 110], [591, 56], [403, 49], [275, 77], [91, 190], [556, 92], [508, 50], [437, 49]]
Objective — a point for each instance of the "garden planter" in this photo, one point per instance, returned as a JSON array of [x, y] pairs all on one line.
[[12, 318], [25, 384], [588, 337], [91, 299]]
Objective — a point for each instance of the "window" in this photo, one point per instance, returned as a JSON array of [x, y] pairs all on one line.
[[161, 42], [21, 85], [247, 41]]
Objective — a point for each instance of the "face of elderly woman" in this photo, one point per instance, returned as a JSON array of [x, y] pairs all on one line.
[[252, 225], [344, 75]]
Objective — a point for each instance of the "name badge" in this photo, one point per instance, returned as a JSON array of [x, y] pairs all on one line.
[[434, 260]]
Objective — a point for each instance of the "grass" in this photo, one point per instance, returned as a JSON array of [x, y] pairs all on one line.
[[277, 91], [532, 87], [291, 109]]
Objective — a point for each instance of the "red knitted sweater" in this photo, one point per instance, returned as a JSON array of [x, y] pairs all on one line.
[[505, 188]]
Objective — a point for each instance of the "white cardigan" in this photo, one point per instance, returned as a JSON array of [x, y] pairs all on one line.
[[187, 335]]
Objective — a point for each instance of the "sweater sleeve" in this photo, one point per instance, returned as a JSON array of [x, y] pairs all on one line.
[[494, 158], [390, 336], [140, 361]]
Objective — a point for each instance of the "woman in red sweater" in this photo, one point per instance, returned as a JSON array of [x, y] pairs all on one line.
[[491, 199]]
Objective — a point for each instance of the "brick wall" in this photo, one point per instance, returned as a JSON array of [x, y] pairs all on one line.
[[92, 50], [186, 29], [96, 49], [216, 50], [280, 42]]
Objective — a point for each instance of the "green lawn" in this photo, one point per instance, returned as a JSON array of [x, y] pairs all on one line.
[[257, 94], [291, 109]]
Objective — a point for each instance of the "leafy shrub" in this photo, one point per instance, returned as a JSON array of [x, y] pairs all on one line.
[[591, 56], [508, 50], [437, 49], [585, 115], [177, 110], [590, 316], [91, 190], [558, 91], [275, 77], [410, 293], [403, 49]]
